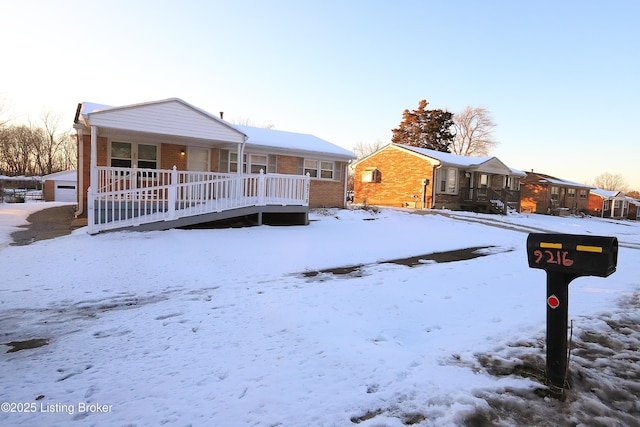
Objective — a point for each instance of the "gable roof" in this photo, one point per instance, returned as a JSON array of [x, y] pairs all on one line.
[[548, 179], [176, 117], [608, 194], [70, 175], [171, 116], [489, 164]]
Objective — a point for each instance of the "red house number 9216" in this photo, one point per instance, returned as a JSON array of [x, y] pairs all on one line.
[[551, 257]]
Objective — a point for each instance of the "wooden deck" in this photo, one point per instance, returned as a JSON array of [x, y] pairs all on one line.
[[152, 199]]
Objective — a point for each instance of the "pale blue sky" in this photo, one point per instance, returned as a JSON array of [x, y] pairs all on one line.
[[561, 78]]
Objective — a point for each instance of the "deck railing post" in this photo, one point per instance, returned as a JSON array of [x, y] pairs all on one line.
[[307, 183], [261, 189], [172, 197], [91, 215]]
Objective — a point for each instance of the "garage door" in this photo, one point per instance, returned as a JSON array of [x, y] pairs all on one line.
[[65, 191]]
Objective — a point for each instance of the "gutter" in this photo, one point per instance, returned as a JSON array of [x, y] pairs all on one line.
[[80, 162]]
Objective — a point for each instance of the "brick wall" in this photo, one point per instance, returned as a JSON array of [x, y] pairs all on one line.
[[287, 164], [170, 156], [323, 193], [48, 190], [534, 198], [400, 181]]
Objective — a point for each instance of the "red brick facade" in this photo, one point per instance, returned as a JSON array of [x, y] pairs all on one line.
[[323, 192], [545, 194], [398, 179]]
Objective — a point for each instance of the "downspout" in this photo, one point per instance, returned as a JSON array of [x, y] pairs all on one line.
[[346, 179], [434, 186], [80, 170]]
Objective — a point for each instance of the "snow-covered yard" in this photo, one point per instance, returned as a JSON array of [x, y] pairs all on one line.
[[247, 326]]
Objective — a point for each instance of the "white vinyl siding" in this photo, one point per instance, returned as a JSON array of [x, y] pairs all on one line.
[[170, 117]]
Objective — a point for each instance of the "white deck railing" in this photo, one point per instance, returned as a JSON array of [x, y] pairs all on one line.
[[130, 197]]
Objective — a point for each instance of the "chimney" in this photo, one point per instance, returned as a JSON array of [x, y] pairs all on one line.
[[221, 115]]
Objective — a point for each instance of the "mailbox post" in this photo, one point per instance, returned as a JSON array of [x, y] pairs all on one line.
[[565, 257]]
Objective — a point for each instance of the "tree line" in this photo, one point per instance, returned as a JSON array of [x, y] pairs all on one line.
[[35, 149]]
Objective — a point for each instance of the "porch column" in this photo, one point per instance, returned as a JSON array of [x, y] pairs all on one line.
[[93, 181], [240, 157], [612, 207], [93, 171]]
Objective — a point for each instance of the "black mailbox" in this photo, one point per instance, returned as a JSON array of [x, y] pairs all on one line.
[[575, 255]]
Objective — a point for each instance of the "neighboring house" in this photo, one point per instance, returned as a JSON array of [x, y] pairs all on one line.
[[406, 176], [164, 164], [60, 186], [634, 204], [608, 203], [547, 194]]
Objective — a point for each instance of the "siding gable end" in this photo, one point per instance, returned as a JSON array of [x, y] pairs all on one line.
[[170, 117]]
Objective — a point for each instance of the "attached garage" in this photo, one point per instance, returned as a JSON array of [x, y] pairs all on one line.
[[61, 186]]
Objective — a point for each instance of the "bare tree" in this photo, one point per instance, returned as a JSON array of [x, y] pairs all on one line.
[[474, 132], [363, 149], [610, 181], [68, 155], [5, 118], [245, 121], [47, 146], [16, 150]]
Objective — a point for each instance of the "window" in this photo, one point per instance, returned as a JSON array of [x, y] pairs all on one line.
[[233, 163], [449, 181], [121, 154], [272, 167], [311, 168], [555, 193], [582, 194], [258, 163], [371, 175], [127, 155], [147, 156], [571, 193], [484, 180], [326, 170]]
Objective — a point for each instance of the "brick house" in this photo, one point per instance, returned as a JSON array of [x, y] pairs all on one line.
[[608, 203], [406, 176], [167, 163], [547, 194], [634, 204]]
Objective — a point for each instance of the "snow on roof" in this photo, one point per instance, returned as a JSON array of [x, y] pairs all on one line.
[[90, 107], [459, 160], [448, 158], [261, 137], [553, 180], [20, 178], [282, 140], [70, 175], [607, 194]]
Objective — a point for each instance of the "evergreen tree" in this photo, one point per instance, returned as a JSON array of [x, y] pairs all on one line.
[[425, 128]]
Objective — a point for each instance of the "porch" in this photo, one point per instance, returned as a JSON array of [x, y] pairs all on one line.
[[490, 200], [155, 199]]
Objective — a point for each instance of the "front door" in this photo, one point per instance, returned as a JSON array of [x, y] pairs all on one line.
[[198, 159]]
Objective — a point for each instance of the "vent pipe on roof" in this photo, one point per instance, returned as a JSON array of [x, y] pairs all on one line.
[[221, 115]]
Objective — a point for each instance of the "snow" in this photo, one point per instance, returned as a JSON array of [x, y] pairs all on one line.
[[281, 140], [260, 138], [247, 326]]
